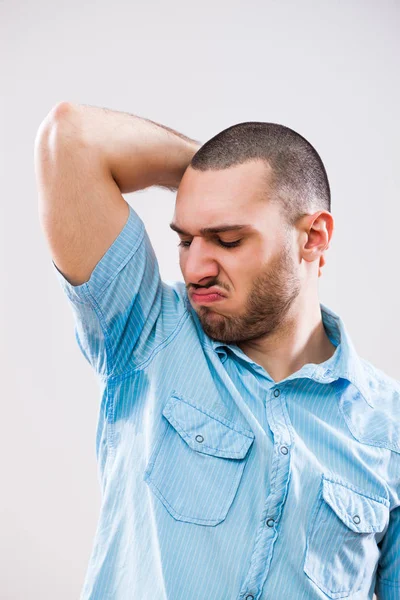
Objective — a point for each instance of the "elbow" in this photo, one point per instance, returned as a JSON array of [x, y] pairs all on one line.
[[62, 114], [61, 111]]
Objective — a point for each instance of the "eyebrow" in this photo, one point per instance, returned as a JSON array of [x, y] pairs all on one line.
[[211, 230]]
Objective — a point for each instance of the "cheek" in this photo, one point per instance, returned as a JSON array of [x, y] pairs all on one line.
[[182, 265], [244, 278], [245, 268], [182, 261], [241, 280]]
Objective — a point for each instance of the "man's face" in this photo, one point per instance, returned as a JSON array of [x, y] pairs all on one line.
[[259, 277]]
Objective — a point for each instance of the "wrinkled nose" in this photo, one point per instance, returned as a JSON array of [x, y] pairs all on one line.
[[199, 263]]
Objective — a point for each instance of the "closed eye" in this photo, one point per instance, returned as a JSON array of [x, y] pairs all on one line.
[[186, 244]]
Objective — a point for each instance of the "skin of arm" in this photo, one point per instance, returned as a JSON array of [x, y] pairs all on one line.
[[85, 158], [138, 152]]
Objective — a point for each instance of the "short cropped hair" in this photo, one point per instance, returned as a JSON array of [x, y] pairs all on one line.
[[297, 177]]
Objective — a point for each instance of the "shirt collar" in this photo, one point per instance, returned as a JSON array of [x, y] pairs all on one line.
[[345, 362]]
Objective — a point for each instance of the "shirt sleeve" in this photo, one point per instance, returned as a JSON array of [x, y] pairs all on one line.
[[117, 312], [388, 575]]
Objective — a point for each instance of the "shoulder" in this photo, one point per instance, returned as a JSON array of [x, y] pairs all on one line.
[[384, 389], [373, 416]]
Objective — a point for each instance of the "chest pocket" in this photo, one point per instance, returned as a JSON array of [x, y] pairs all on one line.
[[341, 547], [196, 467]]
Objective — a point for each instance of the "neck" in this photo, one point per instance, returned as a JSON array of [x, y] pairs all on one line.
[[299, 340]]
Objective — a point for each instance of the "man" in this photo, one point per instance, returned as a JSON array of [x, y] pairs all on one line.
[[245, 450]]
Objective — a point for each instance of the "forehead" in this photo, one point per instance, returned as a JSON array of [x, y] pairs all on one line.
[[237, 195]]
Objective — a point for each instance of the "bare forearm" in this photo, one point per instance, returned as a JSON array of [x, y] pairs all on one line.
[[139, 152]]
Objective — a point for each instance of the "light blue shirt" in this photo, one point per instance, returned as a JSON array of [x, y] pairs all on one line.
[[217, 482]]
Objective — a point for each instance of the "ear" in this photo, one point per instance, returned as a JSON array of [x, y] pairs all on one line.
[[317, 230]]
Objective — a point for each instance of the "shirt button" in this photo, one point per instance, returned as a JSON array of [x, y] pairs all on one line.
[[284, 450], [249, 597], [276, 393], [199, 438], [356, 519], [270, 522]]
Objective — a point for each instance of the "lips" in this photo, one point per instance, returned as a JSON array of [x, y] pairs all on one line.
[[207, 291]]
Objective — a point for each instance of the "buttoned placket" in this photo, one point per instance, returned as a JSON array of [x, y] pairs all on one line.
[[279, 423]]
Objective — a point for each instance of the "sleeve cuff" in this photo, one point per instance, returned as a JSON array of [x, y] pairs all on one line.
[[117, 255]]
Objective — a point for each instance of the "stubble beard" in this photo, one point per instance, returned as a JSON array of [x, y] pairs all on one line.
[[268, 302]]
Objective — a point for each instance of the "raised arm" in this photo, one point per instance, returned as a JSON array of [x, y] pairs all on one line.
[[85, 158]]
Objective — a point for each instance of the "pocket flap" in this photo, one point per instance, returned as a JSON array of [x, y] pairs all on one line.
[[359, 512], [206, 432]]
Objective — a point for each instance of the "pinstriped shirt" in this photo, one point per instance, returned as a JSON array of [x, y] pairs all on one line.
[[217, 482]]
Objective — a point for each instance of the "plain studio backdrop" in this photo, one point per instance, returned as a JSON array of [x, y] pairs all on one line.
[[329, 70]]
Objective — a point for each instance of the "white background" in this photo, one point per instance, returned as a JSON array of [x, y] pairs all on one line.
[[329, 70]]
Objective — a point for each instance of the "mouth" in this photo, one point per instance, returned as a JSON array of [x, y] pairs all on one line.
[[207, 295]]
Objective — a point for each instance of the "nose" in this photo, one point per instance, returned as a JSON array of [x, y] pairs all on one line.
[[199, 262]]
